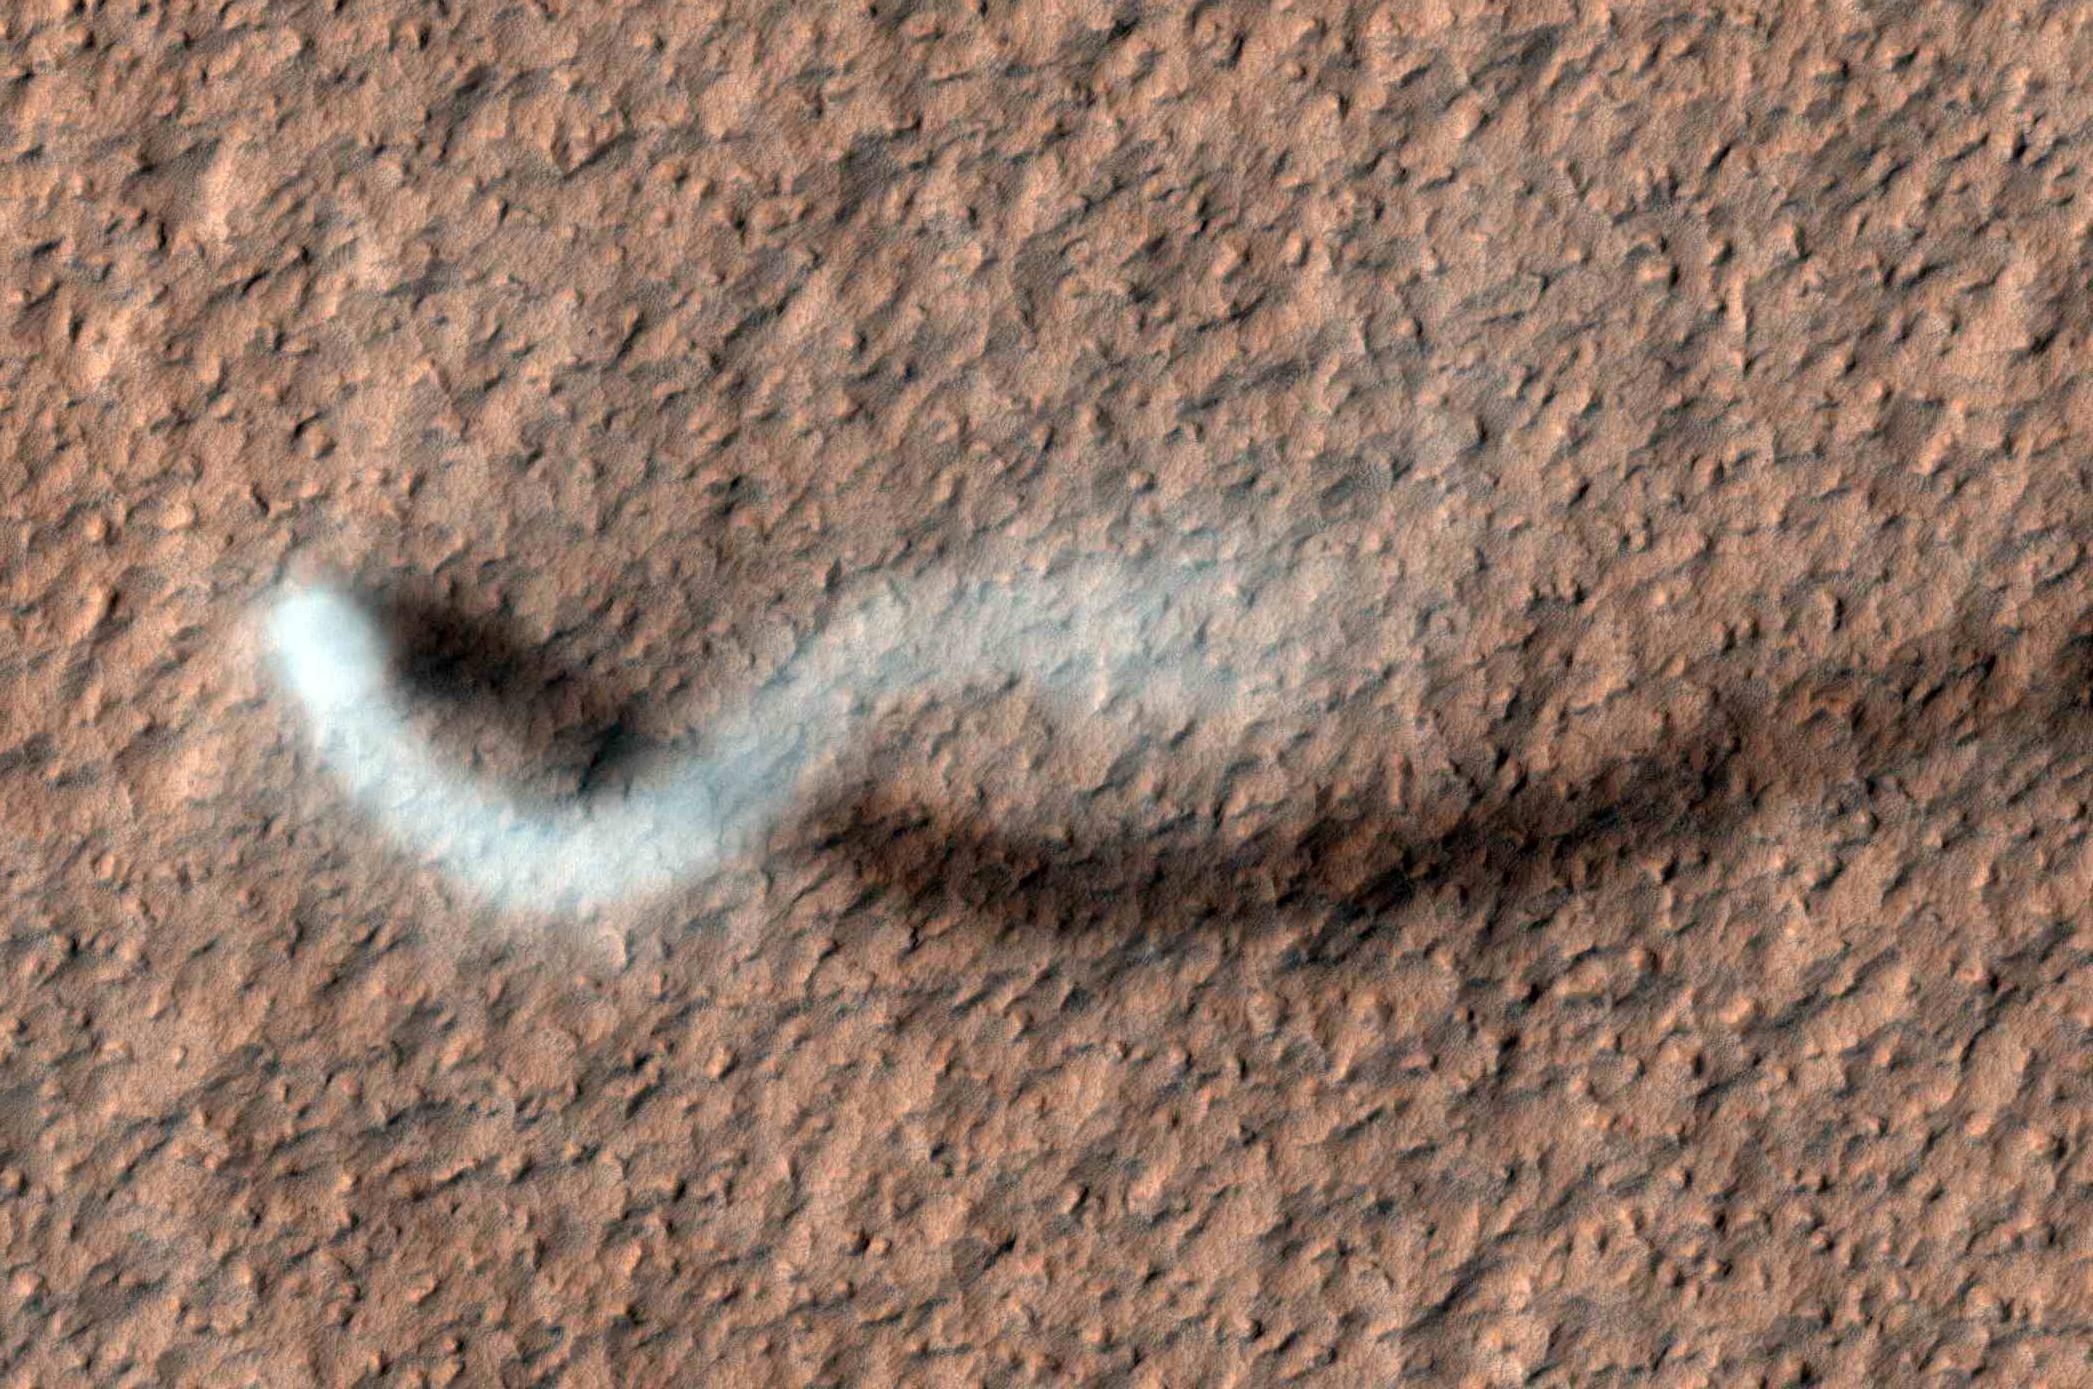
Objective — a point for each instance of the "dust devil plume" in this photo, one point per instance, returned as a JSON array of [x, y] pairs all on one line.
[[1090, 636]]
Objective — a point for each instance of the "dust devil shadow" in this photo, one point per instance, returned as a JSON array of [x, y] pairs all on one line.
[[1835, 738], [586, 731], [1352, 856]]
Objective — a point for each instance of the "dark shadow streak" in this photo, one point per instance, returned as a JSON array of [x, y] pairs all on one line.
[[1831, 741], [442, 656], [1350, 855]]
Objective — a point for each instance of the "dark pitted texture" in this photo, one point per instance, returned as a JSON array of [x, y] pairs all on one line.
[[1667, 963]]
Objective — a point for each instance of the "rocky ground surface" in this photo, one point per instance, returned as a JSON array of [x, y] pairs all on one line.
[[1665, 962]]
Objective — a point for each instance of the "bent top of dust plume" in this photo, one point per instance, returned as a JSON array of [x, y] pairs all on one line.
[[1087, 637]]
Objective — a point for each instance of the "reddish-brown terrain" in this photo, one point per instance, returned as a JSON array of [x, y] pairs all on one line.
[[1672, 968]]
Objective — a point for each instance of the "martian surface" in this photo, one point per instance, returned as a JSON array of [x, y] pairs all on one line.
[[1612, 910]]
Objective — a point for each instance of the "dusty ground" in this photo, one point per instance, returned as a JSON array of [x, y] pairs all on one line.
[[1675, 971]]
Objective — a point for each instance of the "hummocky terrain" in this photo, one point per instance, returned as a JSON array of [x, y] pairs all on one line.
[[1662, 958]]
